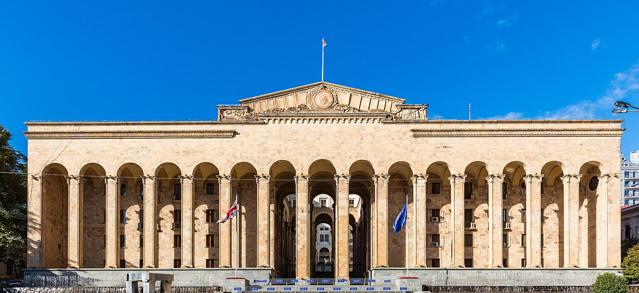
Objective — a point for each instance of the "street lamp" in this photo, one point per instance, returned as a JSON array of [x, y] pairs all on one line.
[[623, 107]]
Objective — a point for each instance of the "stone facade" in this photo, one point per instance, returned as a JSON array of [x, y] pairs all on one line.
[[482, 194]]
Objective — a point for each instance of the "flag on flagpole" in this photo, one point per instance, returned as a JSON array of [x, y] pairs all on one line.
[[231, 213], [400, 221], [323, 43]]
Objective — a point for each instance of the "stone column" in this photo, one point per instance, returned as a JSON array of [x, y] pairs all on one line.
[[302, 228], [614, 222], [382, 219], [373, 225], [342, 255], [571, 220], [602, 221], [495, 221], [187, 221], [75, 222], [419, 201], [112, 222], [271, 245], [457, 220], [533, 220], [224, 228], [263, 221], [34, 222], [150, 223]]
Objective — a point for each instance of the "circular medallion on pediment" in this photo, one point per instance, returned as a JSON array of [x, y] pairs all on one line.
[[323, 100]]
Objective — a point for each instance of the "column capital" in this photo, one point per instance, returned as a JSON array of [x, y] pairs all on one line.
[[72, 177], [568, 178], [531, 177], [382, 176], [302, 176], [420, 176], [36, 177], [342, 176], [495, 177], [262, 176], [457, 177], [223, 177], [148, 177]]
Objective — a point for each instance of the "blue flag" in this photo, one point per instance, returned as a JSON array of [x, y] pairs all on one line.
[[400, 221]]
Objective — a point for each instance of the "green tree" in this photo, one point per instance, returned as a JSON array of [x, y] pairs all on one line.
[[610, 283], [630, 264], [13, 200]]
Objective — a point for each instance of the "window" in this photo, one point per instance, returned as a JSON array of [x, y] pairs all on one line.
[[177, 240], [468, 262], [523, 262], [523, 215], [211, 263], [141, 240], [177, 216], [122, 216], [122, 241], [468, 190], [211, 216], [504, 190], [177, 191], [504, 262], [506, 240], [627, 231], [122, 263], [468, 240], [435, 188], [351, 202], [211, 240], [323, 237], [504, 215], [435, 213], [468, 216], [434, 262], [177, 263], [523, 240], [435, 238], [122, 189], [141, 263], [323, 203], [211, 188]]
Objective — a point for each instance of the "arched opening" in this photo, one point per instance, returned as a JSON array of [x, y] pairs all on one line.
[[55, 203], [321, 185], [323, 245], [168, 185], [552, 194], [475, 215], [400, 190], [588, 188], [244, 187], [438, 214], [93, 217], [131, 215], [282, 188], [514, 215], [206, 248], [360, 200]]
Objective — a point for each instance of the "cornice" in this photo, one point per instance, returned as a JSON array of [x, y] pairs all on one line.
[[513, 132], [130, 134], [530, 121], [133, 123]]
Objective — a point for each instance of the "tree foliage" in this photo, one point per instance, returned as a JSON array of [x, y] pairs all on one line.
[[630, 264], [610, 283], [13, 199]]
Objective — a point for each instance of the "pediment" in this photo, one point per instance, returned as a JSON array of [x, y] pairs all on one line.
[[322, 97]]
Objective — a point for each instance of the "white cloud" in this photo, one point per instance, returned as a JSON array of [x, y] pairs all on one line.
[[624, 86], [595, 44], [507, 21]]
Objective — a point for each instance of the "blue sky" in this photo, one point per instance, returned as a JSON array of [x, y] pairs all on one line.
[[176, 60]]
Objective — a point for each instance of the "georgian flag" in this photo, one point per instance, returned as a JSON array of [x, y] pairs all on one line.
[[231, 213], [400, 221], [323, 43]]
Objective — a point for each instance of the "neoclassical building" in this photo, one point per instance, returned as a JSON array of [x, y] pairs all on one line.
[[320, 173]]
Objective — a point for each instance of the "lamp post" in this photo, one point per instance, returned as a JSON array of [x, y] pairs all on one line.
[[623, 107]]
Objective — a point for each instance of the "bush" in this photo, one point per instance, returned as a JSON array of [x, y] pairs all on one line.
[[610, 283], [630, 264]]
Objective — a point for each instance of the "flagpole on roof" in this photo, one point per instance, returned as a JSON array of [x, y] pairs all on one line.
[[237, 231], [323, 45]]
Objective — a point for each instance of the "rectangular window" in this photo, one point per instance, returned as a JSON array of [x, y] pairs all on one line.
[[177, 263], [504, 262], [434, 238], [523, 262], [523, 215], [468, 262], [141, 240], [122, 189], [468, 216], [177, 191], [177, 240], [504, 215], [468, 190], [141, 263], [435, 188], [177, 216], [211, 263], [122, 216], [468, 240], [211, 188], [351, 202], [211, 240], [322, 203], [523, 240], [506, 240], [122, 241], [434, 262], [504, 190], [211, 216], [122, 263]]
